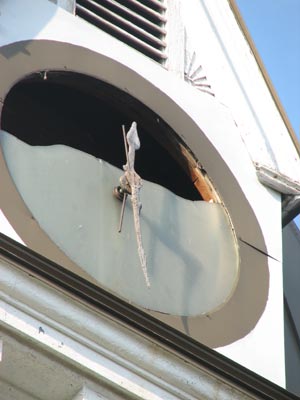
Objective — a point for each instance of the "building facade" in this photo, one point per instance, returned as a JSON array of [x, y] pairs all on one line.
[[217, 156]]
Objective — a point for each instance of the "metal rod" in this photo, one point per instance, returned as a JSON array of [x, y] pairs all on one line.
[[122, 212], [125, 142], [125, 194]]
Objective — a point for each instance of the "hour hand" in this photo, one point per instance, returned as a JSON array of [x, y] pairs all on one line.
[[131, 183]]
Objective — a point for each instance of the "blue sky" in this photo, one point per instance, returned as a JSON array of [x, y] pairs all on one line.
[[275, 28]]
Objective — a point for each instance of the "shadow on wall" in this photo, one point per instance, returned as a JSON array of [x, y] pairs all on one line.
[[26, 19]]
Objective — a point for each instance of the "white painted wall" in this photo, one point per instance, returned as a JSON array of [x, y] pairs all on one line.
[[238, 84], [259, 350], [68, 5]]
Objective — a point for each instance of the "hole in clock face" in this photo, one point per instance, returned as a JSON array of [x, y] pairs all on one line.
[[87, 114]]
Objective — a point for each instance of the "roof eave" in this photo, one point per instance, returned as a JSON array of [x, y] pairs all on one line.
[[265, 74]]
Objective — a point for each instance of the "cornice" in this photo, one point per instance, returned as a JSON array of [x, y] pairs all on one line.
[[100, 346], [144, 360]]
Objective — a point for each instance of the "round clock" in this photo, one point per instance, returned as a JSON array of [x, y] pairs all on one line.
[[63, 155], [189, 241]]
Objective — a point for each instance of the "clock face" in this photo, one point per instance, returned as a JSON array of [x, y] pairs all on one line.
[[191, 257], [190, 245]]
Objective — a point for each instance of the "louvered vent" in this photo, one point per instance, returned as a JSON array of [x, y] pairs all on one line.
[[138, 23]]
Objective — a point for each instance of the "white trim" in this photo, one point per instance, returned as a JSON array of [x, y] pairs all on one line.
[[175, 38], [277, 181]]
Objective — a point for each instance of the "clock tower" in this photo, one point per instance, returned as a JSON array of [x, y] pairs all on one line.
[[193, 270]]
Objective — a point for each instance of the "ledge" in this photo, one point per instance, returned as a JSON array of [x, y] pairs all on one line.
[[90, 330]]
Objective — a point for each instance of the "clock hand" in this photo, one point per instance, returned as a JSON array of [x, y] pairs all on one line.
[[118, 191], [131, 183], [122, 211]]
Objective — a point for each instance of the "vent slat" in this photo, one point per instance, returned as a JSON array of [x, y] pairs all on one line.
[[138, 23], [127, 11], [127, 24], [148, 10], [158, 4], [155, 53]]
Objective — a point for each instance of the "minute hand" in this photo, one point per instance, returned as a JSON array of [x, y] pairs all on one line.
[[135, 183]]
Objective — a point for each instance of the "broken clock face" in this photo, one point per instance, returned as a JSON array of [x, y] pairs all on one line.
[[64, 165]]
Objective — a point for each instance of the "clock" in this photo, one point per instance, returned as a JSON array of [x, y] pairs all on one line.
[[204, 246], [190, 244]]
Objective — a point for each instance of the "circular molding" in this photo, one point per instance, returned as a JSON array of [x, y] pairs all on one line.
[[206, 129]]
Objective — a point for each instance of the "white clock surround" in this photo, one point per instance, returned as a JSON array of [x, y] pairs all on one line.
[[215, 140], [202, 134]]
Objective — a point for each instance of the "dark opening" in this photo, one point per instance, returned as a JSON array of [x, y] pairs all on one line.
[[87, 114]]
